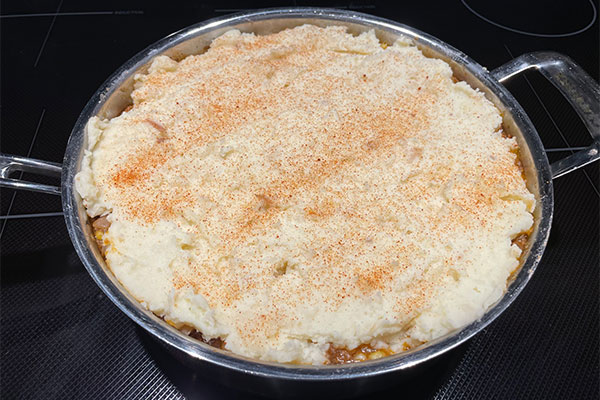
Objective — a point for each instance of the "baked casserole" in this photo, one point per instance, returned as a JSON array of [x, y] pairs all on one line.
[[308, 196]]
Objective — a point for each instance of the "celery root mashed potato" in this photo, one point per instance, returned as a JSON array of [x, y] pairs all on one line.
[[301, 194]]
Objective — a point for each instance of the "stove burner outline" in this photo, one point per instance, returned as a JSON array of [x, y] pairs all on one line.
[[74, 14], [546, 35], [37, 60]]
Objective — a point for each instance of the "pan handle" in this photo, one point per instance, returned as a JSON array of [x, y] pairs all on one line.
[[582, 92], [9, 164]]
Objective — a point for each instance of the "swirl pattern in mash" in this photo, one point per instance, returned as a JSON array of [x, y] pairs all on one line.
[[308, 188]]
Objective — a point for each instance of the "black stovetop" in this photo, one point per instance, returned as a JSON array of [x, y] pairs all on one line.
[[60, 337]]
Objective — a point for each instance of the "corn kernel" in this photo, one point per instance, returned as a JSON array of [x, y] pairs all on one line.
[[376, 354]]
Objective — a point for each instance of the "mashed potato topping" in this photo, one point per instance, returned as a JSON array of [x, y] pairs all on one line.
[[307, 189]]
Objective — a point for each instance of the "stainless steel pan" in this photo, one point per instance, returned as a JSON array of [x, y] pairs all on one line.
[[113, 96]]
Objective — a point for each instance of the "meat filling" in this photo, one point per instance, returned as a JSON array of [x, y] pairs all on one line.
[[215, 342], [337, 355]]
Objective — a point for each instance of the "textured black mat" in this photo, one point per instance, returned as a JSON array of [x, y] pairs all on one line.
[[60, 337]]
